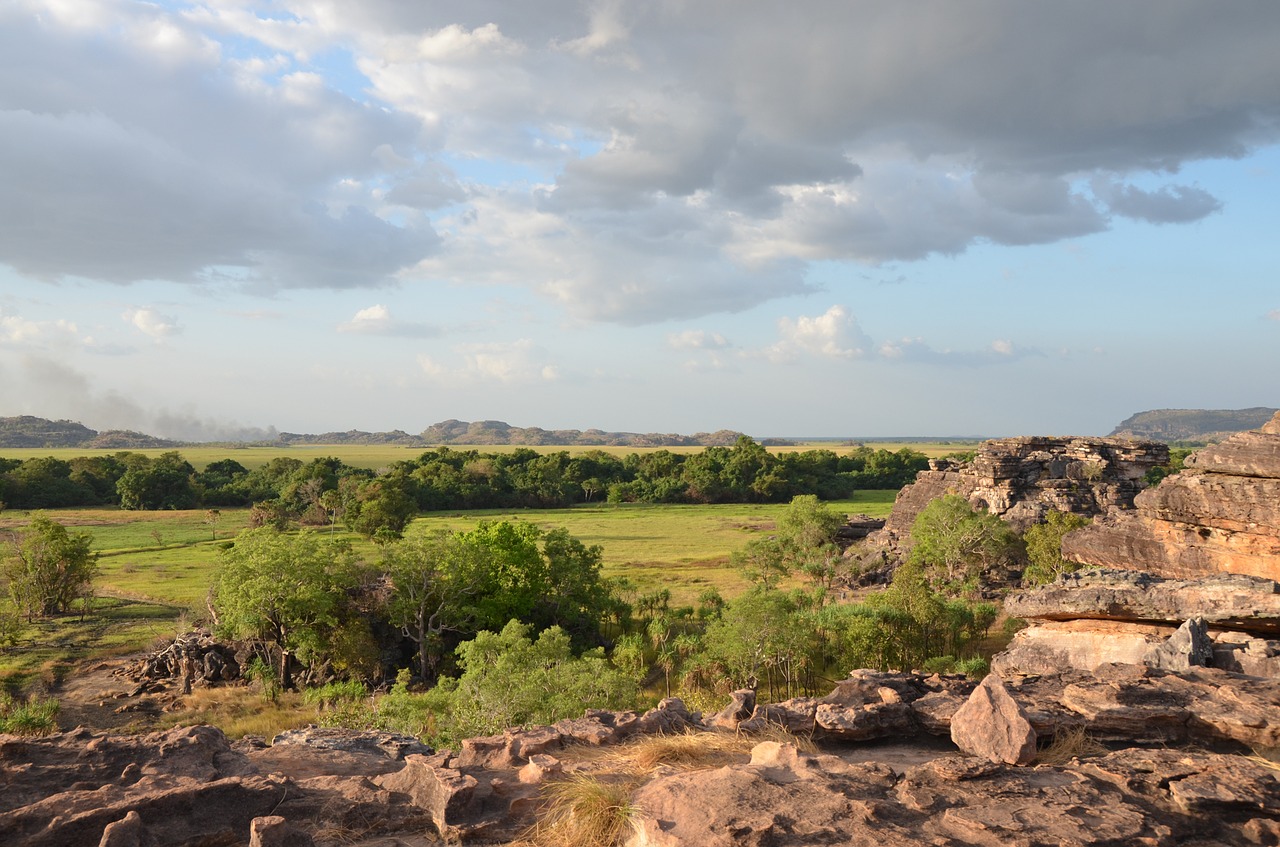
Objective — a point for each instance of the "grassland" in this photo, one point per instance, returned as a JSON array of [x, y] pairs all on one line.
[[156, 567], [384, 455]]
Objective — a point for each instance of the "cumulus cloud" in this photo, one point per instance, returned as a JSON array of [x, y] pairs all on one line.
[[696, 339], [377, 320], [519, 361], [831, 335], [17, 331], [634, 163], [1274, 315], [152, 323]]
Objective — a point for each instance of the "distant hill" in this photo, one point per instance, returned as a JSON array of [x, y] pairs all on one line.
[[28, 431], [492, 433], [1201, 425]]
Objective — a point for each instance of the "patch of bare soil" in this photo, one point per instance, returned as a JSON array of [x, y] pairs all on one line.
[[98, 696]]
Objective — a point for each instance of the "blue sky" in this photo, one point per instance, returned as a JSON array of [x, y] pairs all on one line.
[[832, 218]]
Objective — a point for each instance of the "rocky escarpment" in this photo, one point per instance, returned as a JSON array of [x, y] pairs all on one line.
[[1220, 515], [1022, 479]]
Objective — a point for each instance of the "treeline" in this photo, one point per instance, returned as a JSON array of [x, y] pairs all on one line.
[[326, 490]]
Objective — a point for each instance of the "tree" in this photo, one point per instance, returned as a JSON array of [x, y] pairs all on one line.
[[763, 562], [1044, 547], [807, 531], [49, 568], [284, 589], [165, 483], [434, 580], [952, 544]]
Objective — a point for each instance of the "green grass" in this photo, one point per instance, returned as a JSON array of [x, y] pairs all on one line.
[[146, 586]]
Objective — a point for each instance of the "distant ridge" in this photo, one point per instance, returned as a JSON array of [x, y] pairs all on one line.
[[1200, 425], [28, 431], [492, 433]]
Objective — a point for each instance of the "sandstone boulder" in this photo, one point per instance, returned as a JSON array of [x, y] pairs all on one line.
[[992, 726]]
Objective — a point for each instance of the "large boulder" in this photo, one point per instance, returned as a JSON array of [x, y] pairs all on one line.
[[993, 726]]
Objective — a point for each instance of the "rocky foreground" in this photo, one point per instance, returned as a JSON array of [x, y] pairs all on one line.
[[1179, 771]]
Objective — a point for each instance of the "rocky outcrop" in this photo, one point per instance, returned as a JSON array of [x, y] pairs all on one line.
[[1093, 617], [1232, 601], [784, 798], [1023, 479], [328, 787], [1220, 515], [194, 655]]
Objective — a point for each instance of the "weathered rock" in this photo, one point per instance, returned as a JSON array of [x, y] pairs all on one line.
[[126, 832], [786, 799], [1023, 479], [195, 655], [670, 715], [1247, 603], [1054, 646], [741, 704], [1188, 647], [992, 726], [275, 831], [1221, 515]]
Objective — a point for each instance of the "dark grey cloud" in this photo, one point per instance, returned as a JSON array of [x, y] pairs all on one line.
[[693, 156], [126, 159]]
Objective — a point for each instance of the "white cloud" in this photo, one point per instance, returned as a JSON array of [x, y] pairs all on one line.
[[511, 362], [916, 350], [831, 335], [152, 323], [632, 163], [1274, 315], [696, 339], [16, 331], [377, 320]]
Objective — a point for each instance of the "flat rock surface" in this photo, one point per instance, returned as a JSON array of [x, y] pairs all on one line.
[[1237, 601]]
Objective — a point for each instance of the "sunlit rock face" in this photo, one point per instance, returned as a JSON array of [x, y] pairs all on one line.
[[1221, 515]]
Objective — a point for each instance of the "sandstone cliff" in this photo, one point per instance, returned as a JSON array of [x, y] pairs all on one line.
[[1221, 515], [1023, 479]]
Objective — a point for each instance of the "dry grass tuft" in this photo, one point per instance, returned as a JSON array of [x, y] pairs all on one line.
[[1068, 744], [697, 750], [1268, 757], [586, 811]]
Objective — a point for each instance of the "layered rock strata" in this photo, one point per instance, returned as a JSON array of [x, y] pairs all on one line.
[[1096, 616], [1221, 515], [1023, 479]]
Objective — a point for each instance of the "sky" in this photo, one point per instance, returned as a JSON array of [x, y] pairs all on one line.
[[842, 218]]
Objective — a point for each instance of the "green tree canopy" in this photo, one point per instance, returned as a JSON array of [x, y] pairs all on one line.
[[952, 544], [1044, 547], [286, 589], [49, 568]]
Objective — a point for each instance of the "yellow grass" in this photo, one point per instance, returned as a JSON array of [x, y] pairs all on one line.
[[1068, 744]]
